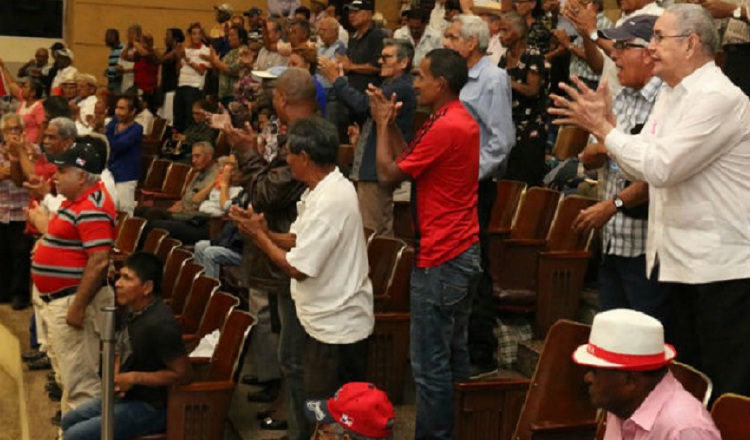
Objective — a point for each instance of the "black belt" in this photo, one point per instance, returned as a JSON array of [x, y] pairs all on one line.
[[68, 291]]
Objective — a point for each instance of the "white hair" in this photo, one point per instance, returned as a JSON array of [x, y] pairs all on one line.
[[694, 19], [8, 116], [472, 26]]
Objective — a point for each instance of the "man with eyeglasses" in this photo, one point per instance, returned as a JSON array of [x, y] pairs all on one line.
[[694, 152], [623, 212]]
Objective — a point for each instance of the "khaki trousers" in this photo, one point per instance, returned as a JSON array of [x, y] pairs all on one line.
[[376, 207]]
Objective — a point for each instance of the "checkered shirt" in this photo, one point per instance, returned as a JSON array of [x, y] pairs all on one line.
[[13, 199], [578, 66], [626, 236]]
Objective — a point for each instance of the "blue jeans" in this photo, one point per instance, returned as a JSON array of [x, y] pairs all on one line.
[[623, 285], [132, 418], [213, 257], [440, 308]]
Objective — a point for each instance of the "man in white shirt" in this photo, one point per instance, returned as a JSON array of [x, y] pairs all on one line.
[[86, 88], [269, 56], [694, 152], [416, 33], [325, 254], [64, 60], [491, 14], [438, 23]]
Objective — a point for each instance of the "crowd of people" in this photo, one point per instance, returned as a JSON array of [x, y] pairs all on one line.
[[670, 132]]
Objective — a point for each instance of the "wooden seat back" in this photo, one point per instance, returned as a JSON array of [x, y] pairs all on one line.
[[571, 140], [396, 298], [175, 181], [120, 218], [382, 253], [731, 414], [222, 145], [217, 310], [558, 402], [157, 171], [153, 240], [165, 248], [226, 356], [201, 291], [562, 237], [177, 259], [388, 353], [146, 161], [129, 235], [695, 382], [369, 233], [509, 196], [188, 274], [488, 408], [535, 214]]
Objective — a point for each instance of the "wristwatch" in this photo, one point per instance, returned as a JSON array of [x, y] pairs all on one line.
[[737, 13], [594, 35], [619, 205]]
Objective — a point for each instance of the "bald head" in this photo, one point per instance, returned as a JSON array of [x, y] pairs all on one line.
[[294, 95]]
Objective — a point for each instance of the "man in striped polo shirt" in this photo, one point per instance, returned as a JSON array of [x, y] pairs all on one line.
[[69, 269]]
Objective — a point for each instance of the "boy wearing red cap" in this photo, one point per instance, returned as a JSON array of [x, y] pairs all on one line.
[[358, 411]]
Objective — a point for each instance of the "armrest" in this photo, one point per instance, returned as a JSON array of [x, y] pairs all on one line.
[[557, 255]]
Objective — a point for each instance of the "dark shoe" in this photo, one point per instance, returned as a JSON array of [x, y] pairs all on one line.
[[20, 303], [273, 425], [56, 418], [51, 377], [477, 371], [39, 364], [54, 396], [33, 355], [53, 387]]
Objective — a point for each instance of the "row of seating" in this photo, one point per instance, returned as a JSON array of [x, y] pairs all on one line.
[[554, 403]]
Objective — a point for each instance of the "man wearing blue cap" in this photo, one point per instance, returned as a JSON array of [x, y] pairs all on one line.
[[623, 213]]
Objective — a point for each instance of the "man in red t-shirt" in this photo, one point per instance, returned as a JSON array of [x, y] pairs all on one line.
[[443, 162], [69, 270]]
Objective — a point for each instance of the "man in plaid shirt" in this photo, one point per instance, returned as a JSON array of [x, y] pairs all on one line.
[[623, 282]]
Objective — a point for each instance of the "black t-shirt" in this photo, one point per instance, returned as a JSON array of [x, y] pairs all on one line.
[[153, 338], [169, 75], [365, 50]]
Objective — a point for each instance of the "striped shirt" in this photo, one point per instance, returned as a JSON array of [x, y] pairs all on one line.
[[578, 66], [113, 80], [79, 228], [626, 236], [13, 199]]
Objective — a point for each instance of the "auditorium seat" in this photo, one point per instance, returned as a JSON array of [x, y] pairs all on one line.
[[154, 178], [153, 240], [219, 306], [731, 413], [128, 237], [177, 259], [165, 248], [195, 305], [382, 253], [571, 140], [509, 196], [188, 274], [171, 189]]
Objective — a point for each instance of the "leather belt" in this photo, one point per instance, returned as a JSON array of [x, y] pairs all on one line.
[[68, 291]]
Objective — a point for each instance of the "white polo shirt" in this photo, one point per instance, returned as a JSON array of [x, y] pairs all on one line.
[[334, 304], [188, 75]]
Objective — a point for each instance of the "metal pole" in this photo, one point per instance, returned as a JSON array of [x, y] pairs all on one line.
[[108, 374]]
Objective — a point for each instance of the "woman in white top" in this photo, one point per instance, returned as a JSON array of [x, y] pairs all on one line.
[[192, 76]]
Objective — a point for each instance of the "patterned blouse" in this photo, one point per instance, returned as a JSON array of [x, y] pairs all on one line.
[[538, 36], [228, 79], [528, 112]]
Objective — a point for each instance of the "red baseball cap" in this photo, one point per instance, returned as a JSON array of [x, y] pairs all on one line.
[[359, 407]]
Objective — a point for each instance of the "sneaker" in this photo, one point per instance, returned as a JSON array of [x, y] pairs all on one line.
[[53, 387], [477, 371], [55, 396]]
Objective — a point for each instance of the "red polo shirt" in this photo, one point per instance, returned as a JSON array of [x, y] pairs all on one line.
[[79, 228], [443, 160]]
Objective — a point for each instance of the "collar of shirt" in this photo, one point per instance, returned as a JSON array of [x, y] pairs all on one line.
[[476, 71], [646, 414], [94, 188], [310, 195], [695, 79]]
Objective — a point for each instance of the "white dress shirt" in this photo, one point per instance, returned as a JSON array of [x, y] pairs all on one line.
[[334, 303], [694, 152], [430, 40]]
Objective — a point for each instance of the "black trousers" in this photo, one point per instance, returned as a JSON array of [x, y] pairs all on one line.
[[188, 232], [711, 331], [15, 263], [736, 65], [482, 340], [184, 98]]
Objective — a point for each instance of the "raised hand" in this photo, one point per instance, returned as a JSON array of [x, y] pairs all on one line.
[[382, 110]]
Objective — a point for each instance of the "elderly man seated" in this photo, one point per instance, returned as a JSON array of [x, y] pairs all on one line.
[[628, 376]]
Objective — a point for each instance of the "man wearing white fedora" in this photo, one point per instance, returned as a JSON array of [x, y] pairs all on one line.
[[628, 377]]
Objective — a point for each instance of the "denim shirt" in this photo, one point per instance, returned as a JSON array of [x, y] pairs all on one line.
[[359, 103], [487, 96]]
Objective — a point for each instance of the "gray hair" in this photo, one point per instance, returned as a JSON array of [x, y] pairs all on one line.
[[518, 22], [66, 128], [693, 19], [315, 136], [205, 146], [91, 178], [8, 116], [472, 26], [404, 50]]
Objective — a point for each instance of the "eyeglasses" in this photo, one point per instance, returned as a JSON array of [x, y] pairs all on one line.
[[658, 38], [385, 56], [621, 45]]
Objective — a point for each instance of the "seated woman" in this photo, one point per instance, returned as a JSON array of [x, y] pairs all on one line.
[[527, 69], [180, 146]]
